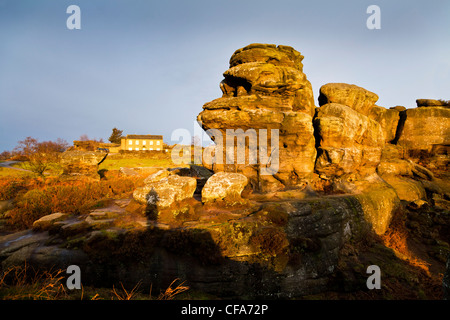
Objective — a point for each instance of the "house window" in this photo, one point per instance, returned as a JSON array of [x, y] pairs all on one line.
[[130, 149], [151, 149], [151, 143], [130, 142], [137, 149], [144, 142], [157, 149], [137, 142], [157, 142]]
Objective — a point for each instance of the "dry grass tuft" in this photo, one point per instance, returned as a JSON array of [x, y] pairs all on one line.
[[396, 239], [21, 283], [170, 292], [124, 294]]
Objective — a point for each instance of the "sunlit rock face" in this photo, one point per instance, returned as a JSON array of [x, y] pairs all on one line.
[[251, 229], [265, 88]]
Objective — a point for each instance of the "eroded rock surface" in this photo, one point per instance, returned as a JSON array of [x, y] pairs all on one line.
[[224, 186], [346, 171], [265, 88], [164, 192]]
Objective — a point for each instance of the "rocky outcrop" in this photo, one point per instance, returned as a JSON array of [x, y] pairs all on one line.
[[348, 141], [272, 250], [344, 171], [77, 162], [425, 127], [265, 88]]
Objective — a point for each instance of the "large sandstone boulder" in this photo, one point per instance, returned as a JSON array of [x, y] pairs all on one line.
[[82, 162], [348, 141], [357, 98], [265, 88], [388, 119], [165, 192], [225, 186], [425, 127]]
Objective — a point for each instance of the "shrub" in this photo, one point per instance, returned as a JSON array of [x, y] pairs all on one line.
[[23, 283], [10, 187], [75, 197]]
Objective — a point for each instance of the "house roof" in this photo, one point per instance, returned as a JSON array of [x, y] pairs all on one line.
[[144, 136]]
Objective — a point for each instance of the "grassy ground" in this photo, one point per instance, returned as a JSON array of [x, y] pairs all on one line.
[[8, 172], [116, 164], [110, 163]]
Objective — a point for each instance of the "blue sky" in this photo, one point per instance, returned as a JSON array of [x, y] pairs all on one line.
[[147, 67]]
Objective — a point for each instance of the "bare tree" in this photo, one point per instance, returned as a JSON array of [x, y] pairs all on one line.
[[41, 155], [84, 137]]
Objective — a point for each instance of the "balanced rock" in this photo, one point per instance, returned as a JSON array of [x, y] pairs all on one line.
[[226, 186], [265, 95], [357, 98]]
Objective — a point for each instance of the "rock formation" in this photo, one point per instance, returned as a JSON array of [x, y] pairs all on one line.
[[82, 162], [425, 127], [356, 98], [349, 143], [346, 170], [265, 88]]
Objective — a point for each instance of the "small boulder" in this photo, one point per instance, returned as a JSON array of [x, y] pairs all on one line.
[[226, 186], [45, 222], [165, 192]]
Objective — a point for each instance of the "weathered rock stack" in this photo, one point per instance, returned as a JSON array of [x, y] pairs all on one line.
[[344, 169], [265, 88], [348, 140], [349, 143], [82, 162]]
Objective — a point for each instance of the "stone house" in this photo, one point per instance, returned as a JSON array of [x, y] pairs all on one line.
[[145, 142]]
